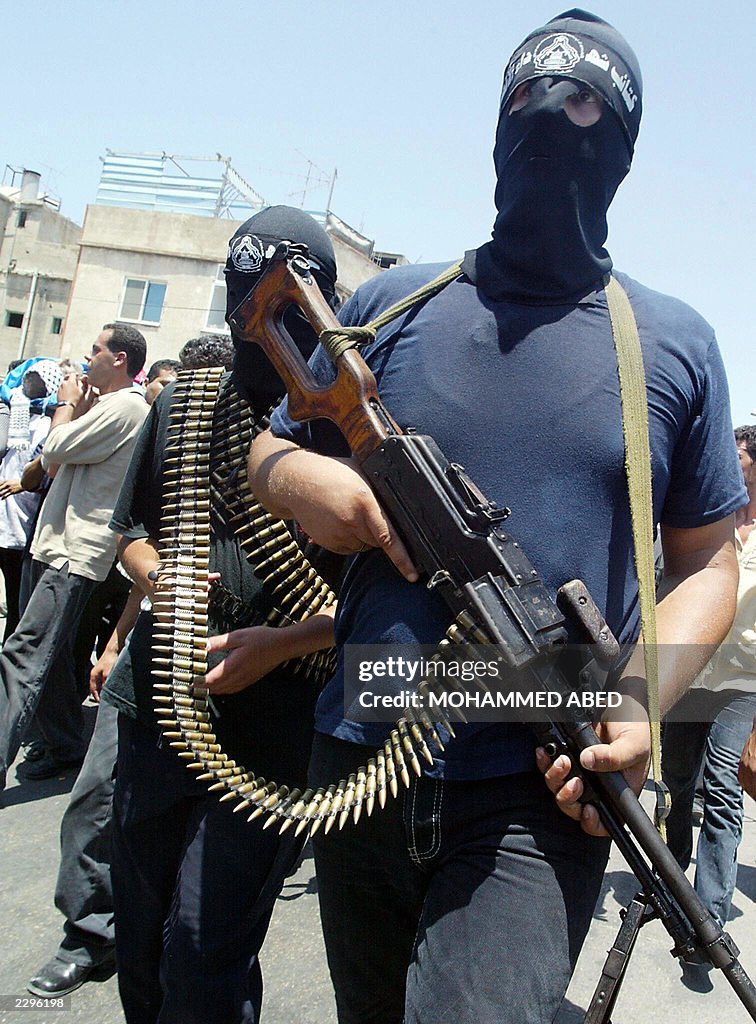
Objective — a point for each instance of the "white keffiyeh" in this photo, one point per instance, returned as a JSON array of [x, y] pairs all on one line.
[[19, 429]]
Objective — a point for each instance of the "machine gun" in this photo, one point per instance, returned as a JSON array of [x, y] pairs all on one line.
[[455, 537]]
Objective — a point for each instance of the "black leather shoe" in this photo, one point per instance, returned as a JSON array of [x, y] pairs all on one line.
[[59, 977], [48, 767], [34, 752]]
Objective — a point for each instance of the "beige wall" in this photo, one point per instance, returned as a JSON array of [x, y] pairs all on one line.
[[98, 291], [180, 250], [354, 268], [37, 261]]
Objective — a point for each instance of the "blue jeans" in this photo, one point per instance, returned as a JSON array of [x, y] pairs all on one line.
[[459, 903], [718, 741]]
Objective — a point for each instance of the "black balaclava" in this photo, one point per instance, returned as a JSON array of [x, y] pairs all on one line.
[[555, 179], [249, 251]]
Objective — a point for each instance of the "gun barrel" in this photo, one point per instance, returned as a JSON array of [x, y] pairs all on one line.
[[675, 900]]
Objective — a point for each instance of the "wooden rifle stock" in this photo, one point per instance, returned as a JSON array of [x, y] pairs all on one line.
[[351, 401]]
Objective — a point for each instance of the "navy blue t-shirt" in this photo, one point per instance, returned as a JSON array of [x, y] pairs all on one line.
[[526, 398]]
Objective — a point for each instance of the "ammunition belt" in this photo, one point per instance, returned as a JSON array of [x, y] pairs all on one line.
[[209, 432]]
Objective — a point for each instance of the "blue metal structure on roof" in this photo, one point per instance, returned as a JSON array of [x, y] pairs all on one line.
[[162, 182]]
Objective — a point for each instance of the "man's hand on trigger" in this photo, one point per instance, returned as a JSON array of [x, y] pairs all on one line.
[[624, 747], [328, 497], [335, 506]]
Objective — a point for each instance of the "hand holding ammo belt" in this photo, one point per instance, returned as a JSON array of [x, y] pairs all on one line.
[[455, 537]]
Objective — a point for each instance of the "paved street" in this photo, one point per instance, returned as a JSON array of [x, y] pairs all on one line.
[[297, 986]]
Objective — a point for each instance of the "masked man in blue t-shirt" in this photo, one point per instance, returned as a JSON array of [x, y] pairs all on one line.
[[469, 899]]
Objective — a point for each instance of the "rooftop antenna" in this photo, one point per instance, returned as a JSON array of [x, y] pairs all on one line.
[[314, 181]]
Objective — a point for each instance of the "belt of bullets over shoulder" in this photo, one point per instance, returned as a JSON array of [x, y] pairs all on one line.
[[209, 432]]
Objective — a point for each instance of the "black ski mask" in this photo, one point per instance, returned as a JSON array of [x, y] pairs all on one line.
[[248, 253], [556, 179]]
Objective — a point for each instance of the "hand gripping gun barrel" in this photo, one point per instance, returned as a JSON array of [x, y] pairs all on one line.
[[455, 537]]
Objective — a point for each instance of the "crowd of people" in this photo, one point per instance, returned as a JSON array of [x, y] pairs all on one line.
[[511, 367]]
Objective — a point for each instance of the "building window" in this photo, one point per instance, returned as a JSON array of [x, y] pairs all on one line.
[[57, 325], [216, 314], [21, 221], [142, 300], [14, 319]]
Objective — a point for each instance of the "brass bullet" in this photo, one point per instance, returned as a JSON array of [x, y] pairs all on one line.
[[203, 766], [370, 783], [226, 777], [293, 813], [280, 809], [359, 793], [202, 748], [235, 791], [396, 747], [430, 731], [380, 778], [310, 811], [424, 689], [338, 800], [323, 809], [390, 770], [348, 799], [187, 702], [409, 748], [418, 738], [273, 800], [217, 786], [468, 623]]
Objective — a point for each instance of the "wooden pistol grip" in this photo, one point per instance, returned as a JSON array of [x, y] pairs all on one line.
[[351, 401]]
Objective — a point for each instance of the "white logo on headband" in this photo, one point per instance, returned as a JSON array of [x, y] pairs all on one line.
[[599, 59], [557, 54], [514, 68], [246, 253]]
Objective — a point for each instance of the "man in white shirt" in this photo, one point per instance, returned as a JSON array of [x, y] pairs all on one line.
[[28, 427], [92, 435]]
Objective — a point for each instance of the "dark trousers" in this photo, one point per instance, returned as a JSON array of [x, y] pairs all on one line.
[[459, 903], [194, 887], [37, 670], [10, 566], [98, 620], [83, 893]]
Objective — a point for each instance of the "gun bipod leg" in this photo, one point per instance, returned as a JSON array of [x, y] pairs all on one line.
[[634, 916]]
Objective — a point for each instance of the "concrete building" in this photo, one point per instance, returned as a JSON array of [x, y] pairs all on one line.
[[163, 272], [39, 249], [151, 252]]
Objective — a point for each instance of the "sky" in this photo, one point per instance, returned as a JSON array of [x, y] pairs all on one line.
[[401, 98]]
